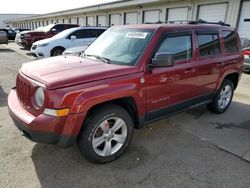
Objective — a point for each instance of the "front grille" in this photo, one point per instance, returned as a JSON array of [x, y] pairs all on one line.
[[23, 90]]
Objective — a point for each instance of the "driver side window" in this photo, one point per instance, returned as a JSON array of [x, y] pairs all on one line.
[[59, 28], [179, 46]]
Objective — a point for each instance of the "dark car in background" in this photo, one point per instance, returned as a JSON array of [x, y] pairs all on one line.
[[3, 37], [11, 34], [28, 38]]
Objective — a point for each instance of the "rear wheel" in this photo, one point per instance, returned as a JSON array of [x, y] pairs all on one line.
[[106, 134], [57, 51], [223, 97]]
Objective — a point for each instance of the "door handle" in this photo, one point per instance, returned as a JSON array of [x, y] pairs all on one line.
[[189, 70]]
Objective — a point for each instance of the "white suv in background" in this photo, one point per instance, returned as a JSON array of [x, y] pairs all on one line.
[[54, 46]]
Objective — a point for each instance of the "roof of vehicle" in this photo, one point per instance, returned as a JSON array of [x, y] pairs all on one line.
[[92, 27], [180, 25]]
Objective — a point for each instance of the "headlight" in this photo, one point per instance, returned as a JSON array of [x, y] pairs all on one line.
[[39, 97], [43, 45]]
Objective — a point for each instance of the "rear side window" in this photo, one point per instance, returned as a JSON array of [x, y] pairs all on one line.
[[87, 33], [94, 33], [80, 34], [209, 44], [179, 46], [231, 41]]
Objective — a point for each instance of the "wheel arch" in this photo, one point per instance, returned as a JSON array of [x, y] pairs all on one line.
[[61, 47], [127, 103], [234, 77]]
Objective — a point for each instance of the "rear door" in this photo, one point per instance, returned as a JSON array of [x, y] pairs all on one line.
[[131, 18], [210, 61], [213, 12], [114, 19], [177, 14], [169, 89]]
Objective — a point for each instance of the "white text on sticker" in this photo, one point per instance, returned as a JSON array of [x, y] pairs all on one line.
[[137, 35]]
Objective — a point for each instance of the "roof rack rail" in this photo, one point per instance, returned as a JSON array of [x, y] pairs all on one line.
[[200, 21], [159, 22], [177, 21]]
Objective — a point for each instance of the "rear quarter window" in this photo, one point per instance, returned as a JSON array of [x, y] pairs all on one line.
[[231, 41]]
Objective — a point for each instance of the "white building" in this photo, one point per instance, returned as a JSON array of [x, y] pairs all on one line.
[[5, 17], [233, 12]]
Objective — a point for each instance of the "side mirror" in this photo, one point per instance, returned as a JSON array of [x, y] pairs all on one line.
[[54, 30], [73, 37], [162, 60]]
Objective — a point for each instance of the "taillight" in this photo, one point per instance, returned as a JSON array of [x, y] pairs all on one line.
[[246, 52]]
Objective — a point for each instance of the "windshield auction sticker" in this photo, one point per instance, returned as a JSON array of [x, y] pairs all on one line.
[[137, 35]]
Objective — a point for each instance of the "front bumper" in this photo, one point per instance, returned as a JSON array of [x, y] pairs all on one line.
[[62, 131], [39, 53]]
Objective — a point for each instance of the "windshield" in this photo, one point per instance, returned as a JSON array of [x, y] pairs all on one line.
[[46, 28], [120, 45]]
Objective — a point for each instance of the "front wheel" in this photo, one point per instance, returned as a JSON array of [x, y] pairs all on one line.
[[106, 134], [57, 51], [223, 97]]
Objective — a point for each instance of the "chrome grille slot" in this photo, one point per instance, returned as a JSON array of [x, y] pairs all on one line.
[[23, 92]]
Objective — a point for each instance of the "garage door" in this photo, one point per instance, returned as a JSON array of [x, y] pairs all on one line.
[[102, 20], [115, 19], [90, 21], [177, 14], [131, 18], [213, 12], [73, 21], [244, 23], [151, 16]]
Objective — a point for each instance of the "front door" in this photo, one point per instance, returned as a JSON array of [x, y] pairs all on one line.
[[169, 89]]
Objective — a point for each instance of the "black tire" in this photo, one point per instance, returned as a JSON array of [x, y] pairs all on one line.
[[57, 51], [92, 126], [214, 106]]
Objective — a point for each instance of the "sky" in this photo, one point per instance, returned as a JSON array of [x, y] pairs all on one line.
[[44, 6]]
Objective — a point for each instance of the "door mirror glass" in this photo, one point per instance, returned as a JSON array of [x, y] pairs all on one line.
[[54, 30], [73, 37], [162, 59]]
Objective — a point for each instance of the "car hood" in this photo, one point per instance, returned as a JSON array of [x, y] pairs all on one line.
[[63, 71], [43, 41], [35, 33]]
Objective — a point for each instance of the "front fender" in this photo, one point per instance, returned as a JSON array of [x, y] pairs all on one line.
[[95, 96]]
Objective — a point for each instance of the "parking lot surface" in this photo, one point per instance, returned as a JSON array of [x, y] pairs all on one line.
[[191, 149]]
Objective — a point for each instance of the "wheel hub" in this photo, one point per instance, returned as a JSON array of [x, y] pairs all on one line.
[[108, 136]]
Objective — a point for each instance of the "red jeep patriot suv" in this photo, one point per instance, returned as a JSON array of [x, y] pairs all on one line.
[[129, 76]]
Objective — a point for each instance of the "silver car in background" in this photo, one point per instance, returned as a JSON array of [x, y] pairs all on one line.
[[245, 43], [3, 37]]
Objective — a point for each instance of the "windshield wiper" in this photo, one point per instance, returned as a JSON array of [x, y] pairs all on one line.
[[103, 59]]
